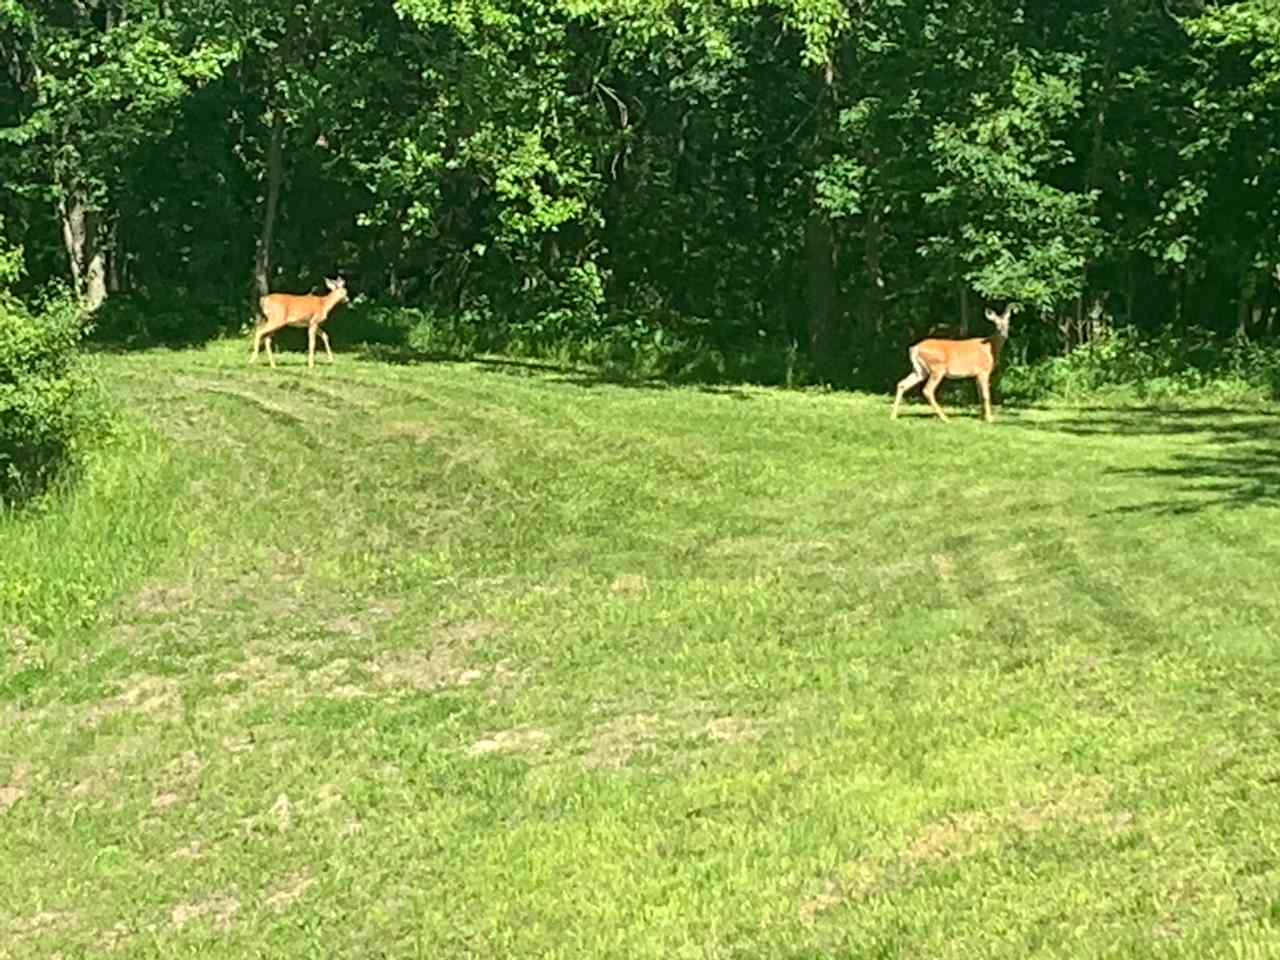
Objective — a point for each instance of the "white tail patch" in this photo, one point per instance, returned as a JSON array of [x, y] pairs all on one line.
[[918, 365]]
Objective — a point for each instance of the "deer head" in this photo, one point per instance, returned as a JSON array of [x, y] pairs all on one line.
[[339, 287], [1001, 320]]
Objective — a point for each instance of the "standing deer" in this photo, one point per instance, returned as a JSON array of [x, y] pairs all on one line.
[[281, 310], [933, 359]]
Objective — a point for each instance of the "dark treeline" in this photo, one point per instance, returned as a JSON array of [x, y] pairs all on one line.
[[817, 176]]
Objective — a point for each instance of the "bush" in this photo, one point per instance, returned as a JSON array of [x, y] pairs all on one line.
[[1190, 364], [48, 404]]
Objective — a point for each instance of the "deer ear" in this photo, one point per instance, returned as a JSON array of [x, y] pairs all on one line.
[[331, 284], [992, 315]]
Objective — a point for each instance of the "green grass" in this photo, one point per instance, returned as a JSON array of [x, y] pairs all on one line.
[[484, 660]]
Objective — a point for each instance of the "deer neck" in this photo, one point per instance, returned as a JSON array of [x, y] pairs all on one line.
[[997, 344]]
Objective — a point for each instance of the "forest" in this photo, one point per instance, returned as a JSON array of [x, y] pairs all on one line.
[[786, 189]]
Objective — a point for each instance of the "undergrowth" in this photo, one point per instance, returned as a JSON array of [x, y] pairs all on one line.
[[1194, 366]]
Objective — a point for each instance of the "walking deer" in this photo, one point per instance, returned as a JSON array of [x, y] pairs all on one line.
[[280, 310], [933, 359]]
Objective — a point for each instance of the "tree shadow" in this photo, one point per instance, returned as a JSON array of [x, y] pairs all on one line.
[[402, 356], [1226, 458], [551, 371], [1245, 477], [590, 380]]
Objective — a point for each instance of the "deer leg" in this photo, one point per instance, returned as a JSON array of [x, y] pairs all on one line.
[[266, 341], [324, 338], [260, 333], [311, 346], [984, 387], [935, 378], [906, 383]]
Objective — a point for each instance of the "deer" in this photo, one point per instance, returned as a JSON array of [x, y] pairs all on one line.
[[976, 358], [280, 310]]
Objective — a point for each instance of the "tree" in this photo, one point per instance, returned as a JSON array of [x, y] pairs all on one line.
[[92, 81]]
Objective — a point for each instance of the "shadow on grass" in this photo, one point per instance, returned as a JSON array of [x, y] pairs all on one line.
[[1218, 423], [1243, 478], [1227, 457], [578, 376]]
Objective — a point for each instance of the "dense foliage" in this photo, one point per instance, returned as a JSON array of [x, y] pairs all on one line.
[[46, 402], [806, 180]]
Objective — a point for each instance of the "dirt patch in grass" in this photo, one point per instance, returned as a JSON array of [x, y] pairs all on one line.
[[241, 743], [443, 663], [155, 697], [45, 921], [164, 801], [622, 740], [1080, 802], [26, 652], [734, 729], [824, 901], [363, 624], [328, 797], [629, 583], [264, 677], [10, 795], [467, 632], [164, 599], [259, 678], [16, 788], [614, 744], [219, 910], [191, 851], [179, 779], [282, 812], [291, 891], [952, 836], [527, 740], [943, 565], [429, 669], [415, 430]]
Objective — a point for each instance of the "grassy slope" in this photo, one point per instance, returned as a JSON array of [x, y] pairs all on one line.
[[474, 661]]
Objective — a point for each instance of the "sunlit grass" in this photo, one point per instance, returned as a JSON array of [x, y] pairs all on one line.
[[488, 660]]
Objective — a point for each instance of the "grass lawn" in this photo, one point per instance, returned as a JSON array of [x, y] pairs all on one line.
[[487, 660]]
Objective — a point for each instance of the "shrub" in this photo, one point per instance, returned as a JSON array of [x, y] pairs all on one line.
[[48, 404], [1192, 363]]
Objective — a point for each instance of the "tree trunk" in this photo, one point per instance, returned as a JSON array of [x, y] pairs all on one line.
[[820, 256], [1131, 297], [964, 309], [86, 252], [819, 241], [1245, 297], [871, 320], [275, 177], [1114, 11], [71, 214], [95, 287], [116, 279]]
